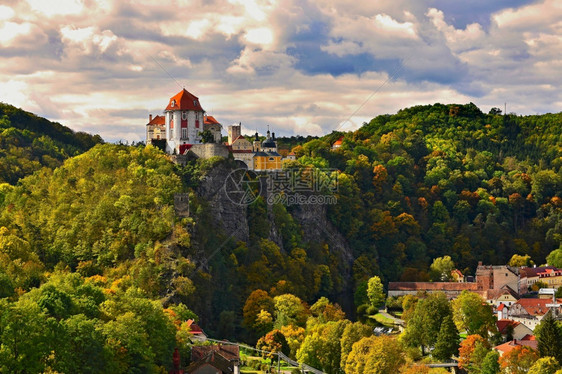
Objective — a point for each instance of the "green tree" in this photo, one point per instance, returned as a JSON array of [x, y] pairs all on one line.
[[352, 334], [289, 310], [472, 315], [549, 338], [545, 365], [207, 136], [491, 364], [555, 258], [24, 343], [440, 269], [375, 355], [321, 347], [424, 325], [519, 260], [447, 343], [375, 292], [84, 347]]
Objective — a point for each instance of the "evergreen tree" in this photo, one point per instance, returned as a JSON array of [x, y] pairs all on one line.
[[447, 341], [490, 365], [549, 338]]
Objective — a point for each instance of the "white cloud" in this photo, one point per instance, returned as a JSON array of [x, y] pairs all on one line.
[[92, 63], [10, 31], [58, 7], [6, 12]]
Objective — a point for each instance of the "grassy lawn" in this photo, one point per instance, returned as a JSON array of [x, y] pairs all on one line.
[[382, 319]]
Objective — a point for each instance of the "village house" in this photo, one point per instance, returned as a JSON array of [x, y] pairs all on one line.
[[552, 277], [527, 341], [214, 359], [337, 144], [530, 312], [530, 275], [516, 329], [197, 333], [505, 295]]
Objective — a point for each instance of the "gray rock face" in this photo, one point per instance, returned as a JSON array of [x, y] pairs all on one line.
[[230, 216]]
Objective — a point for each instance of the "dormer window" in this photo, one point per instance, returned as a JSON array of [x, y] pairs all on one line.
[[173, 103], [195, 102]]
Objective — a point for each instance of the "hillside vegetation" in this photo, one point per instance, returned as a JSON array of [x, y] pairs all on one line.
[[94, 248], [28, 143]]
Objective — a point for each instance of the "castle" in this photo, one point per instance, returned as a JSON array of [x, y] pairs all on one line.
[[185, 127]]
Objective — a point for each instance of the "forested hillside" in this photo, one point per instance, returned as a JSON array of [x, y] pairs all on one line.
[[446, 180], [28, 142], [95, 248]]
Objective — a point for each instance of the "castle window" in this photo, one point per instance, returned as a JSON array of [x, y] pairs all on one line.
[[195, 102], [184, 115], [196, 123], [183, 133], [173, 103]]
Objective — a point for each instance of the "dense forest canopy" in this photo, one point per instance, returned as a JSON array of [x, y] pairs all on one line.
[[29, 142], [92, 245]]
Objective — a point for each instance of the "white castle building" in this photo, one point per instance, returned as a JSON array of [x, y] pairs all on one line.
[[183, 123]]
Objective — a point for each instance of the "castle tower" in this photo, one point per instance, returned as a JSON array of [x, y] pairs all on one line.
[[256, 143], [184, 118], [234, 131]]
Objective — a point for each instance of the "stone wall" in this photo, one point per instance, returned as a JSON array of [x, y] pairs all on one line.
[[209, 150]]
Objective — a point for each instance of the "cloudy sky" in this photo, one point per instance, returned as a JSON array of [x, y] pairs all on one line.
[[302, 67]]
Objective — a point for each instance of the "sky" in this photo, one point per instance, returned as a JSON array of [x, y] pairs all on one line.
[[301, 67]]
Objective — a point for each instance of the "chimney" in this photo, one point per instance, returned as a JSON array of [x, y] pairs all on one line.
[[149, 117]]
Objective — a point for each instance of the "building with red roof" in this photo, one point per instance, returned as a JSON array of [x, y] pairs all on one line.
[[530, 312], [219, 358], [530, 275], [516, 329], [182, 124], [197, 332], [338, 143], [511, 345]]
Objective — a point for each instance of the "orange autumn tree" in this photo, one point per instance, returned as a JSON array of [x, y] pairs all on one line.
[[472, 351], [519, 360]]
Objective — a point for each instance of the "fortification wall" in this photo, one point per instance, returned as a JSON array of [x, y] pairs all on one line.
[[209, 150]]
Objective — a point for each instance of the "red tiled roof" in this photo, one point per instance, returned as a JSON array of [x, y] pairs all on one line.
[[503, 324], [158, 120], [501, 307], [526, 272], [434, 286], [509, 346], [529, 337], [229, 352], [535, 307], [193, 327], [505, 290], [209, 120], [239, 137], [338, 142], [184, 100]]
